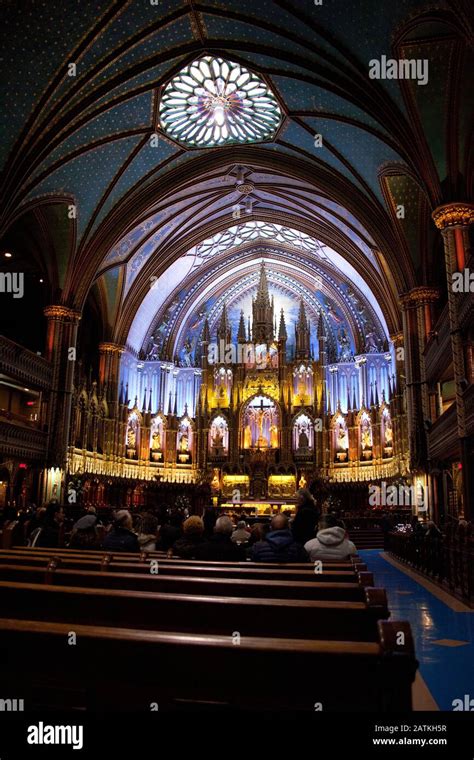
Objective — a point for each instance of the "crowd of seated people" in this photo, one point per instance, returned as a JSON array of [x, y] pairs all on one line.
[[214, 536]]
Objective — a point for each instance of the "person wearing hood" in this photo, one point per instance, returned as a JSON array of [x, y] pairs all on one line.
[[278, 545], [330, 542]]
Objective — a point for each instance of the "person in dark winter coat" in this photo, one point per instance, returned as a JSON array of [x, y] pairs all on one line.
[[192, 539], [171, 531], [307, 515], [220, 547], [49, 535], [121, 538], [278, 545]]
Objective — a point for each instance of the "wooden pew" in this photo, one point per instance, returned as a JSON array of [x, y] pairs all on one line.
[[55, 573], [163, 558], [293, 618], [114, 563], [121, 669]]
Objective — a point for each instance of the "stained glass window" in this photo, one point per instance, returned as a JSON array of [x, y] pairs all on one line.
[[216, 102]]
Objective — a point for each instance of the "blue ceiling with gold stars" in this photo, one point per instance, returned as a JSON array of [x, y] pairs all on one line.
[[82, 85]]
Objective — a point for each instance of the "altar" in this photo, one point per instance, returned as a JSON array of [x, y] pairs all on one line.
[[261, 507]]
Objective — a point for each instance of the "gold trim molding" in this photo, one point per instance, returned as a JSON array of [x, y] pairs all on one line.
[[453, 214], [423, 294], [61, 313], [111, 348]]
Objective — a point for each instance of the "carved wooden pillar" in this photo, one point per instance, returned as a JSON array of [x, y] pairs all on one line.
[[453, 219], [61, 341]]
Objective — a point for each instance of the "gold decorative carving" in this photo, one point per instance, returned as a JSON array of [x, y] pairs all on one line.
[[61, 313], [423, 294], [111, 348], [397, 338], [453, 214]]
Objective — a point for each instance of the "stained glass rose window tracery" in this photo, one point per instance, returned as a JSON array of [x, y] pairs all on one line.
[[215, 102]]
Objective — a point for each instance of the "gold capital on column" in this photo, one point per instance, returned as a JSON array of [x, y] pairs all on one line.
[[111, 348], [397, 338], [424, 294], [62, 313], [453, 215]]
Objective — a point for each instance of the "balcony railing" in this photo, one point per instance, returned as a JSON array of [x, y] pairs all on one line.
[[24, 365], [22, 441]]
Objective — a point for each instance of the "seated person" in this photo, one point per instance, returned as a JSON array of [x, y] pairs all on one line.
[[193, 538], [331, 541], [84, 533], [171, 530], [121, 538], [220, 547], [241, 535], [147, 532], [278, 545], [49, 535]]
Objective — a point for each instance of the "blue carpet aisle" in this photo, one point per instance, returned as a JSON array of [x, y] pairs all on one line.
[[444, 638]]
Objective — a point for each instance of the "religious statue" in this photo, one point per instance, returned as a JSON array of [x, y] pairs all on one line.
[[345, 346], [184, 442], [218, 440], [388, 432], [274, 436], [131, 438], [153, 349], [372, 343], [247, 437], [366, 437], [302, 481], [261, 440], [342, 439], [156, 441], [303, 442], [187, 351]]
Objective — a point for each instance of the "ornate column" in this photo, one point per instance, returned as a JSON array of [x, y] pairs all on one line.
[[61, 340], [453, 219], [109, 375], [109, 369], [416, 439], [423, 297]]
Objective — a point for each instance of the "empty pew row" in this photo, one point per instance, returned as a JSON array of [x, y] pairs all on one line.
[[124, 669], [115, 563], [190, 613], [57, 573], [163, 557]]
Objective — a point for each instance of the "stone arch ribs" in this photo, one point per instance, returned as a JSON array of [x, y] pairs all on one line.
[[300, 283], [324, 182]]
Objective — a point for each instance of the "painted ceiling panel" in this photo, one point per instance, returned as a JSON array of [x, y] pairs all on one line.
[[404, 191], [431, 98], [33, 51], [111, 283], [275, 15], [232, 29], [309, 97], [363, 151], [133, 18], [304, 140], [176, 33], [144, 162], [86, 177], [132, 114], [157, 294]]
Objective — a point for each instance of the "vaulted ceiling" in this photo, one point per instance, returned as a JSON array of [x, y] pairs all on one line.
[[82, 131]]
